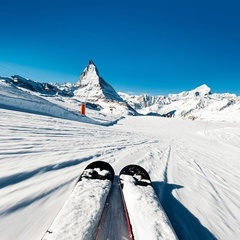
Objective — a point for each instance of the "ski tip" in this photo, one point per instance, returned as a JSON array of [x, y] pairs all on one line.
[[98, 170], [139, 174]]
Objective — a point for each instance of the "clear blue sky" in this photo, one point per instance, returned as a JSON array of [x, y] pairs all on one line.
[[153, 46]]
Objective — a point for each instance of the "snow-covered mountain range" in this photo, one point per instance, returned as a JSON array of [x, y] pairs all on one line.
[[198, 103], [96, 93]]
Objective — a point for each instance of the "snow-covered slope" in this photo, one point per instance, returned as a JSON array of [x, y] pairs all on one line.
[[194, 166], [11, 97]]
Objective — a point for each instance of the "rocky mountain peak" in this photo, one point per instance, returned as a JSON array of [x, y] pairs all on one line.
[[92, 68], [89, 74], [92, 87]]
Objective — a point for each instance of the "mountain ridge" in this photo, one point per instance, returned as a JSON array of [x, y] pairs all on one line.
[[94, 91]]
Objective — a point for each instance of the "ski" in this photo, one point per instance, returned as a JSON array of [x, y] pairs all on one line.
[[80, 215], [142, 206]]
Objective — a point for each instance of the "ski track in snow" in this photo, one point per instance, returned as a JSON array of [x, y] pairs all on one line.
[[195, 172]]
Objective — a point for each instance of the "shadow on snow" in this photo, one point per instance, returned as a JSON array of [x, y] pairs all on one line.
[[26, 202], [185, 224], [22, 176]]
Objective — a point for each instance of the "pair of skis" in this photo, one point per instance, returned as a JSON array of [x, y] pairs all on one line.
[[80, 217]]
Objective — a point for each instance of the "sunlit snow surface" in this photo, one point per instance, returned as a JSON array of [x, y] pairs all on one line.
[[194, 167]]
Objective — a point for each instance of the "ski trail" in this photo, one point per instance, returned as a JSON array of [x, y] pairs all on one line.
[[195, 174], [162, 164], [204, 175], [167, 157], [157, 162]]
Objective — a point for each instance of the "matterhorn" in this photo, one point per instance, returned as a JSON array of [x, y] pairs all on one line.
[[97, 93], [91, 87]]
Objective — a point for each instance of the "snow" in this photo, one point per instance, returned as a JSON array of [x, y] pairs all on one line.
[[202, 90], [194, 165]]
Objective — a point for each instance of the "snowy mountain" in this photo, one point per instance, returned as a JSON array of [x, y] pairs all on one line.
[[91, 87], [197, 103], [43, 88], [92, 90], [13, 98]]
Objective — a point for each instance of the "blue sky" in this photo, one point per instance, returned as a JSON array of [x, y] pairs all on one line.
[[155, 46]]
